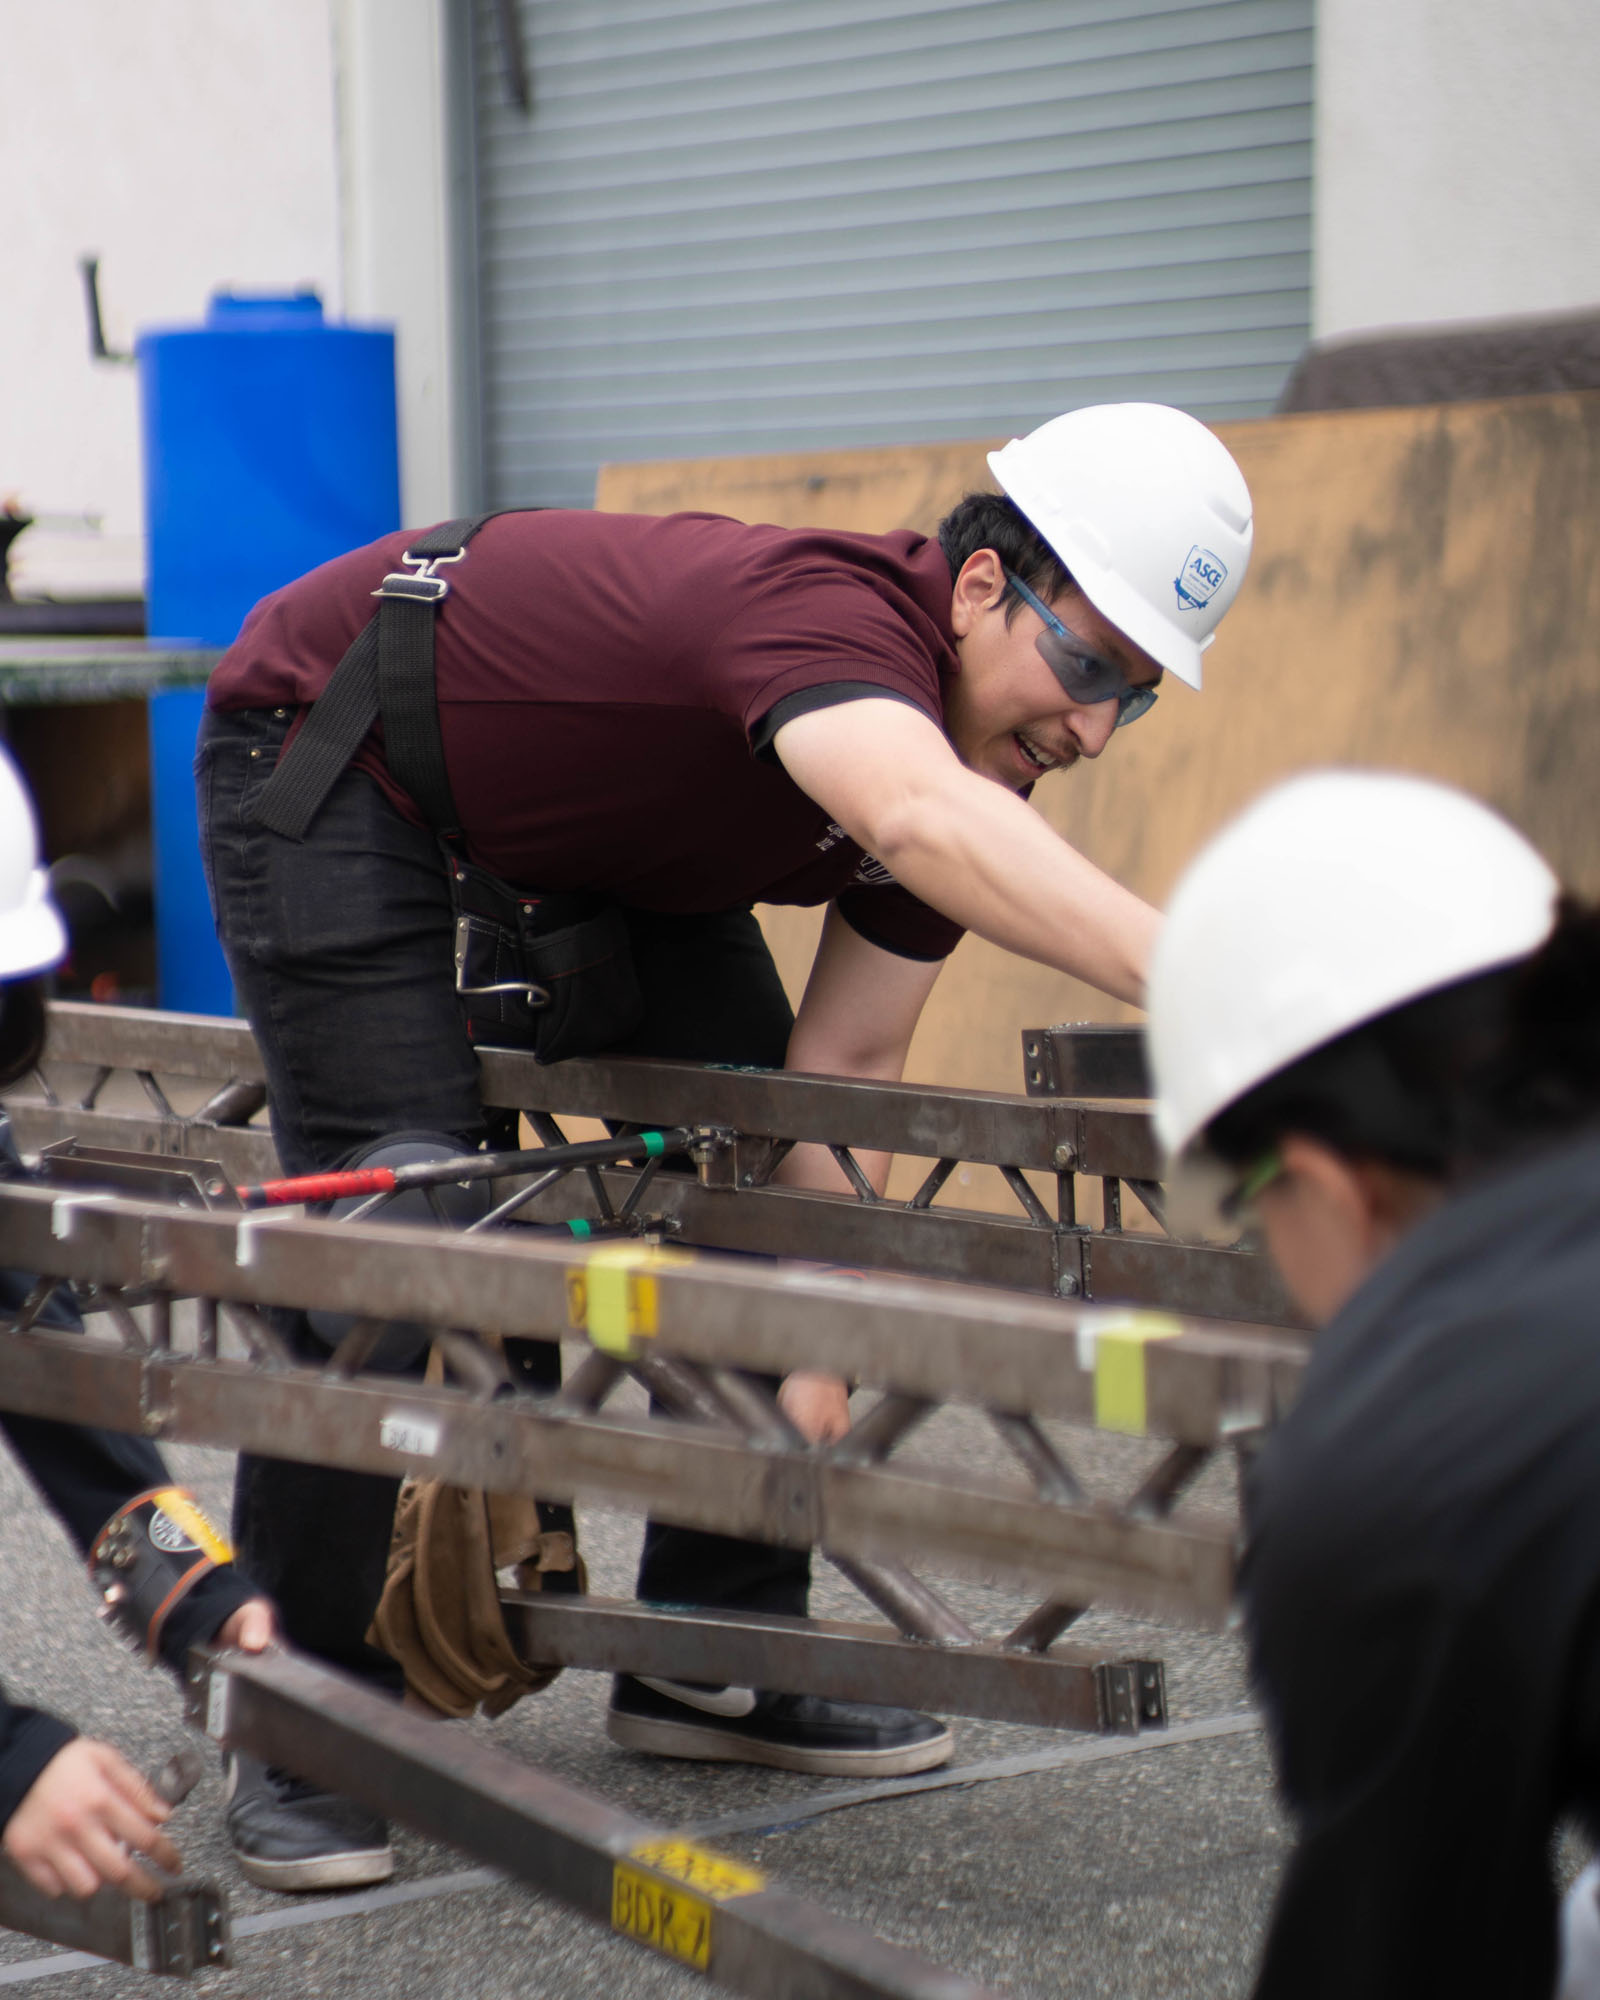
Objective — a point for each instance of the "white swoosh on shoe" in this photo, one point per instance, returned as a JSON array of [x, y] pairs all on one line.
[[728, 1701]]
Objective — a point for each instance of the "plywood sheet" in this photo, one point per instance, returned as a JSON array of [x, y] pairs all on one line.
[[1425, 595]]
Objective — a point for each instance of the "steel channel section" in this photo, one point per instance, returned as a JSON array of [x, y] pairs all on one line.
[[185, 1932], [1112, 1140], [688, 1474], [1085, 1059], [981, 1127], [921, 1337], [1007, 1252], [148, 1038], [1071, 1689], [559, 1840], [244, 1153]]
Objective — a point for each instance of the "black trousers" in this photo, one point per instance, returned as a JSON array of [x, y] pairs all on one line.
[[340, 947]]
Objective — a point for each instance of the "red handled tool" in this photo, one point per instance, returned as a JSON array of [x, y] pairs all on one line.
[[470, 1167]]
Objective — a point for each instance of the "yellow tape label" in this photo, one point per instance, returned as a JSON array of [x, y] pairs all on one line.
[[1120, 1344], [178, 1524], [668, 1920], [676, 1917], [613, 1295], [713, 1875]]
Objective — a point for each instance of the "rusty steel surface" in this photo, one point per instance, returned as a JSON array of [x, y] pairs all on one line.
[[846, 1661], [1203, 1381], [730, 1205], [184, 1932], [717, 1917]]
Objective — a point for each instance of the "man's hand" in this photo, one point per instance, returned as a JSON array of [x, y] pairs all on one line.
[[252, 1628], [85, 1818], [817, 1405]]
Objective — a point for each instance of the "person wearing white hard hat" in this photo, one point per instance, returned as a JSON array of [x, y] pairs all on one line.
[[629, 731], [74, 1814], [1374, 1029]]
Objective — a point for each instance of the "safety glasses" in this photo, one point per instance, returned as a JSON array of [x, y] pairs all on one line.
[[1086, 677]]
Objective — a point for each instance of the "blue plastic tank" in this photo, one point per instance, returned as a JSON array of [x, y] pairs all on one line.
[[270, 446]]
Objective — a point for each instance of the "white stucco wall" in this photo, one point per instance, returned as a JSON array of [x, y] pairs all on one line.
[[1457, 160], [189, 146], [396, 208]]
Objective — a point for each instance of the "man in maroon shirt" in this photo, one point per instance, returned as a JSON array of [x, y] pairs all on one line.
[[678, 717]]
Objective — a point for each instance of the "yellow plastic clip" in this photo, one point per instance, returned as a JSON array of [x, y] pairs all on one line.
[[613, 1295], [1119, 1342]]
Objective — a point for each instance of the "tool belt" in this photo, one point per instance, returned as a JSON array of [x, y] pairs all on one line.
[[550, 973]]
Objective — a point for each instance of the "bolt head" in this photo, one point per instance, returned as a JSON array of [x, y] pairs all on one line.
[[1065, 1157], [1067, 1285]]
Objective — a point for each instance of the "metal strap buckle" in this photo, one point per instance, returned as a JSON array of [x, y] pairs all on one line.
[[424, 587]]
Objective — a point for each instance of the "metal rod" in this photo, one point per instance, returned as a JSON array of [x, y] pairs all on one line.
[[236, 1103], [850, 1167], [1161, 1488], [755, 1409], [872, 1437], [1052, 1477], [157, 1096], [587, 1387], [1033, 1207], [718, 1917], [97, 1083], [939, 1173], [520, 1199], [1047, 1623], [905, 1599]]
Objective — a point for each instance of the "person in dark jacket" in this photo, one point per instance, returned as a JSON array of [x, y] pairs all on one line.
[[74, 1814], [1375, 1025]]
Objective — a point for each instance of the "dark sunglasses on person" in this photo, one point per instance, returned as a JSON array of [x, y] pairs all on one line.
[[1086, 676]]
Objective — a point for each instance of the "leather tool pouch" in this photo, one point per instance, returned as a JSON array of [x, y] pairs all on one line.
[[553, 974]]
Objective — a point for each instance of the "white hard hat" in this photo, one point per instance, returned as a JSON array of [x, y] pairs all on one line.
[[32, 937], [1150, 513], [1331, 900]]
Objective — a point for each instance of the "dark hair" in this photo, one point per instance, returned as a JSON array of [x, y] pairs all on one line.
[[991, 521], [1460, 1079]]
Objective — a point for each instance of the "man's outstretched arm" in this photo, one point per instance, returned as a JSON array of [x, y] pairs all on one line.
[[860, 1010], [965, 845]]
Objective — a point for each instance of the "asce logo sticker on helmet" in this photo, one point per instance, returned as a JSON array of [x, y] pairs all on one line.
[[1201, 577]]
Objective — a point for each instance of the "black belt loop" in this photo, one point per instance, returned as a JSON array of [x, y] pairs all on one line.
[[388, 671]]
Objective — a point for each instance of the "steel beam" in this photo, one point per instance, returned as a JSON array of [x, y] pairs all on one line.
[[689, 1474], [948, 1342], [183, 1933], [1072, 1689], [1085, 1059], [716, 1916]]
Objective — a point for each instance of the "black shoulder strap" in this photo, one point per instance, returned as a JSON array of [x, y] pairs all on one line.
[[387, 671]]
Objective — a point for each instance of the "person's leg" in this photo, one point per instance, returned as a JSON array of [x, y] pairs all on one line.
[[340, 949], [712, 995]]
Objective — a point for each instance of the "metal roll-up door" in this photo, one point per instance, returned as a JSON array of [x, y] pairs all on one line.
[[763, 225]]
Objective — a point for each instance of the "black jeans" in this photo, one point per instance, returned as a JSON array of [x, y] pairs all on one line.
[[340, 947]]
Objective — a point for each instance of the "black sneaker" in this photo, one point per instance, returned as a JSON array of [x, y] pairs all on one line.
[[288, 1834], [793, 1732]]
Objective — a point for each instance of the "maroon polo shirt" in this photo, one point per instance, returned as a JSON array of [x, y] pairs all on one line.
[[608, 688]]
